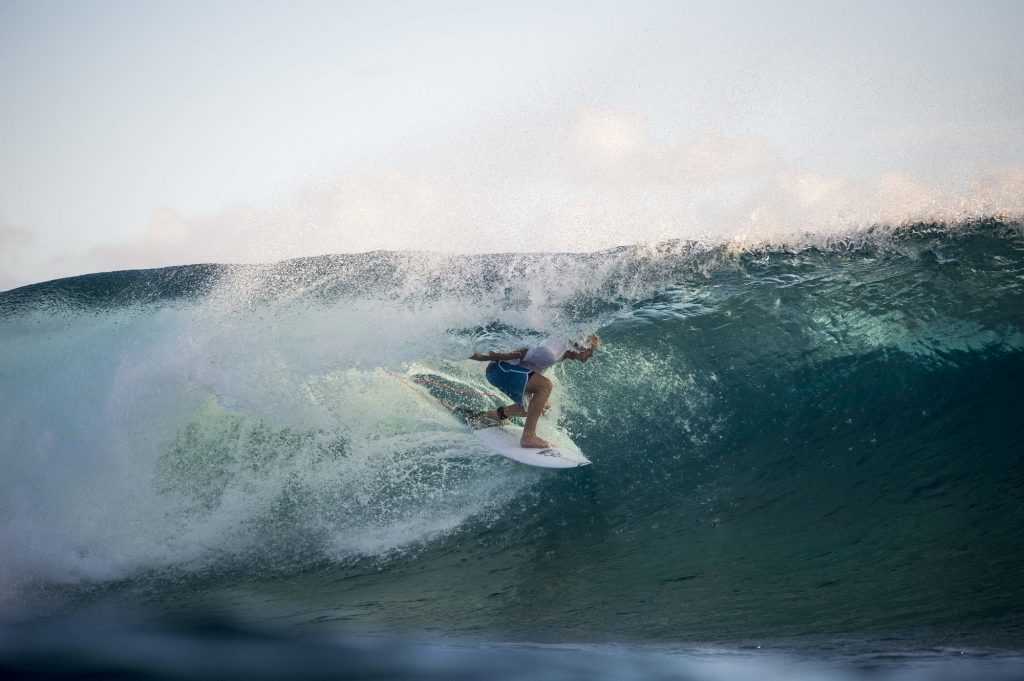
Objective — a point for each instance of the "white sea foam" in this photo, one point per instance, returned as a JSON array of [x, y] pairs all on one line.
[[180, 436]]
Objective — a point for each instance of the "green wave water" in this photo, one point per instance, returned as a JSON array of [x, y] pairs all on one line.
[[818, 440]]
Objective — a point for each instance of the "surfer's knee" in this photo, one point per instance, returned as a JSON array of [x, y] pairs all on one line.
[[540, 384], [540, 392]]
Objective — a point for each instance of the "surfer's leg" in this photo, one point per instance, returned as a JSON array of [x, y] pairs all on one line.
[[510, 410], [511, 380], [538, 388]]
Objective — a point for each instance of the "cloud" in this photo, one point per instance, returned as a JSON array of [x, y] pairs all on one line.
[[795, 202], [168, 240], [392, 210], [13, 240], [903, 197], [12, 237], [617, 147], [600, 180]]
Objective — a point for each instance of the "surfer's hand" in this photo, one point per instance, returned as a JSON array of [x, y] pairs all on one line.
[[478, 357]]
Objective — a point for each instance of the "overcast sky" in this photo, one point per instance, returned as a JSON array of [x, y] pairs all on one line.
[[139, 134]]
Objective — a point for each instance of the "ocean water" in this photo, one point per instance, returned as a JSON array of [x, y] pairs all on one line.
[[808, 462]]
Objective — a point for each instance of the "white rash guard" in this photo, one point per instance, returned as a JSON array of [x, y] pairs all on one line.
[[542, 357]]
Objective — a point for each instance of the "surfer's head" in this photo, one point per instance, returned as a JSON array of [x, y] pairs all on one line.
[[586, 348]]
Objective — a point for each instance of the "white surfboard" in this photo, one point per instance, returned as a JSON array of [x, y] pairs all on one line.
[[504, 440]]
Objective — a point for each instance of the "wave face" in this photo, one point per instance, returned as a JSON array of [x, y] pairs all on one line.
[[814, 438]]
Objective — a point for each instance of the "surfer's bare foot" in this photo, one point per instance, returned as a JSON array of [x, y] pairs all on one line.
[[532, 442]]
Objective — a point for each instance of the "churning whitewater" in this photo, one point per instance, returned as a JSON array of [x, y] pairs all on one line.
[[819, 437]]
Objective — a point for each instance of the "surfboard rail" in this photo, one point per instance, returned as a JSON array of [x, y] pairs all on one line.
[[504, 439]]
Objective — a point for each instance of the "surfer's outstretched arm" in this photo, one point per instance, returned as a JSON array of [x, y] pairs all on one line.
[[498, 356]]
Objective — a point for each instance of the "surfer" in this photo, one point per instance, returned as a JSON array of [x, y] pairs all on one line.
[[519, 374]]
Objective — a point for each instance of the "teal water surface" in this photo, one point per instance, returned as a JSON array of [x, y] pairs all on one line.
[[810, 441]]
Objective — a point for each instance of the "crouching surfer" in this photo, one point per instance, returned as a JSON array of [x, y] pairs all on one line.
[[519, 374]]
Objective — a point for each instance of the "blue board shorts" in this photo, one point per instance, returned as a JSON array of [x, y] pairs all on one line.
[[510, 379]]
